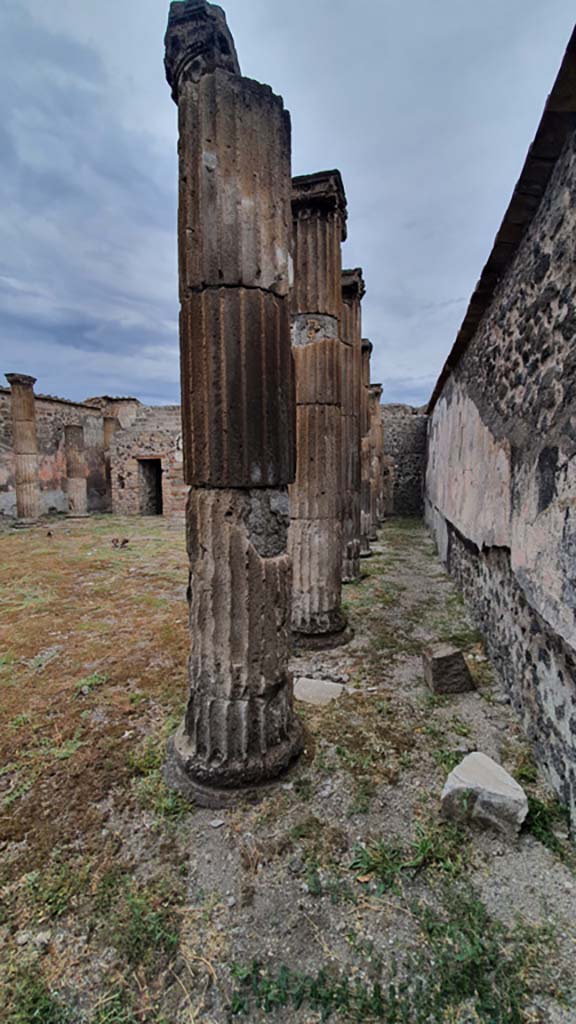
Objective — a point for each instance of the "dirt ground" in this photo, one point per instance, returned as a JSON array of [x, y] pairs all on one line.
[[341, 896]]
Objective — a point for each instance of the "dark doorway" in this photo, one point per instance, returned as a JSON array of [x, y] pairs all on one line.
[[150, 487]]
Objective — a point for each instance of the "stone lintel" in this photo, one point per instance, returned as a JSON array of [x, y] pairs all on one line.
[[323, 190], [198, 41], [21, 379], [353, 286]]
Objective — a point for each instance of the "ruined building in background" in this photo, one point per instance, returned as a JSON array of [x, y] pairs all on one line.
[[353, 290], [319, 213], [238, 409], [501, 470], [404, 429], [34, 460]]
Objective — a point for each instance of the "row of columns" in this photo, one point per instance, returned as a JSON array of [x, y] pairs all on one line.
[[271, 365], [26, 457]]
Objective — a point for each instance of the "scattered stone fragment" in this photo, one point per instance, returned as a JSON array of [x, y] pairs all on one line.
[[217, 823], [317, 691], [481, 792], [445, 670]]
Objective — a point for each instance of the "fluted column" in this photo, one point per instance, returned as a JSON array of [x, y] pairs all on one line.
[[76, 472], [25, 443], [238, 412], [377, 463], [315, 541], [366, 527], [353, 290]]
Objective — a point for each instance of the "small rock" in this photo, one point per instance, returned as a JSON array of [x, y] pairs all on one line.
[[482, 792], [231, 901], [317, 691], [23, 938], [42, 940], [446, 671], [217, 823]]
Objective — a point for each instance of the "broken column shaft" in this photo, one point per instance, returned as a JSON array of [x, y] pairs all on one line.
[[76, 470], [353, 290], [319, 213], [25, 443], [366, 525], [238, 411]]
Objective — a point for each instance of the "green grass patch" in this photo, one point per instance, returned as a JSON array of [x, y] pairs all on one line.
[[544, 820], [388, 861], [465, 966], [143, 928], [30, 1001]]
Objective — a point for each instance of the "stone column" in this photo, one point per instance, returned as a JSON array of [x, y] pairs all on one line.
[[366, 528], [238, 410], [111, 425], [76, 470], [319, 212], [377, 457], [25, 443], [353, 290]]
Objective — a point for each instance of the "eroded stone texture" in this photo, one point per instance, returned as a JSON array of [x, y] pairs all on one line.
[[501, 473], [366, 527], [238, 412], [25, 442], [76, 471], [319, 213], [445, 670], [377, 509], [481, 792], [405, 451], [353, 290]]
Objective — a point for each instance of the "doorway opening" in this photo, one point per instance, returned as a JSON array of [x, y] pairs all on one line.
[[150, 472]]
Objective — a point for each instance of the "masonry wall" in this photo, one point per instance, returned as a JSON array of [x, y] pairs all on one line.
[[501, 477], [155, 433], [52, 415], [405, 457]]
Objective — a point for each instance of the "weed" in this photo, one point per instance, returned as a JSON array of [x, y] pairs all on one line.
[[89, 683], [447, 759], [364, 794], [116, 1008], [387, 861], [142, 928], [543, 819], [526, 770], [20, 721], [56, 888], [303, 788], [147, 758], [465, 962], [32, 1001], [154, 795]]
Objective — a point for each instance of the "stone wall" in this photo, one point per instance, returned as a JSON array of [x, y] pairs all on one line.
[[405, 455], [501, 470], [52, 415], [154, 434]]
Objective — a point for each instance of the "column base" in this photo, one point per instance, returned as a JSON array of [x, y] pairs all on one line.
[[323, 641], [248, 784]]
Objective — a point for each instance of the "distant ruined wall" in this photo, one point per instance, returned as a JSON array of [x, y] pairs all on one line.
[[501, 470], [405, 445], [155, 433], [52, 415]]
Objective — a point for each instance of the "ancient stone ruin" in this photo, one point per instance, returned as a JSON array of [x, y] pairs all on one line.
[[238, 407], [316, 507], [283, 459]]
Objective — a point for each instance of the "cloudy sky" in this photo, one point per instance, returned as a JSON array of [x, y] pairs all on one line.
[[426, 106]]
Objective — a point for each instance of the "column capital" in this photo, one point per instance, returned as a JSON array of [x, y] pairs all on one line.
[[353, 285], [322, 191], [22, 379], [197, 42], [367, 346]]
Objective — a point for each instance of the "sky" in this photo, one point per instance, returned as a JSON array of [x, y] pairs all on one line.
[[427, 107]]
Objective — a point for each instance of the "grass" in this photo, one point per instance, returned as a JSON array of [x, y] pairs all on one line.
[[388, 861], [90, 683], [544, 820], [465, 966], [54, 890], [143, 928], [32, 1002]]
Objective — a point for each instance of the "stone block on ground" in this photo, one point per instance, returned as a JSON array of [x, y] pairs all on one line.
[[317, 691], [446, 671], [480, 791]]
